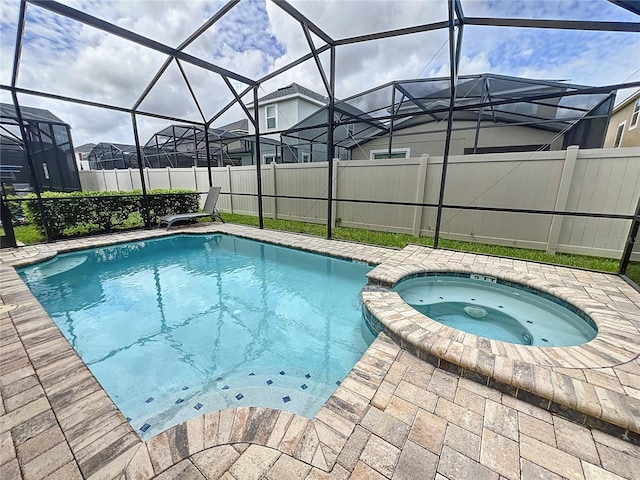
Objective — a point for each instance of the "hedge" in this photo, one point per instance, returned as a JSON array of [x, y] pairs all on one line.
[[72, 214]]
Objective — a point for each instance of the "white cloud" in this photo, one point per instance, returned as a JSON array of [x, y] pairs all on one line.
[[255, 38]]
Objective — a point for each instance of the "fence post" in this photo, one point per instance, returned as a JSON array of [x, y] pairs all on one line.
[[104, 180], [131, 178], [334, 181], [561, 200], [420, 190], [195, 178], [274, 191], [229, 187], [169, 176], [115, 174]]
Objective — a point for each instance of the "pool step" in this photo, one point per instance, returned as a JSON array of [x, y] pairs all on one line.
[[304, 403], [294, 391]]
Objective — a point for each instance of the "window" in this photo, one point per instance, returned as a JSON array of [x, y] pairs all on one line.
[[305, 158], [267, 159], [619, 133], [395, 153], [271, 117], [634, 115]]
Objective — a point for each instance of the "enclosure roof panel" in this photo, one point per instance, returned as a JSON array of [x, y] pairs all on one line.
[[29, 114]]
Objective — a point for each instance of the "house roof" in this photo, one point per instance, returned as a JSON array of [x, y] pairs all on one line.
[[8, 114], [294, 89], [631, 98], [86, 148], [238, 125]]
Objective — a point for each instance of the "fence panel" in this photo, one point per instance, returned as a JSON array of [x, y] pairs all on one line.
[[524, 181], [308, 180], [384, 180], [243, 180], [157, 178], [123, 178], [604, 181]]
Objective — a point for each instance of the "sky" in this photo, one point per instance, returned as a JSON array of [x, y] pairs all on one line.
[[65, 57]]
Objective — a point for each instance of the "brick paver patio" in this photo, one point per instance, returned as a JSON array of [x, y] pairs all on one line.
[[474, 414]]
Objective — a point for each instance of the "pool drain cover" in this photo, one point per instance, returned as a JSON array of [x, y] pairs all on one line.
[[7, 308], [474, 311]]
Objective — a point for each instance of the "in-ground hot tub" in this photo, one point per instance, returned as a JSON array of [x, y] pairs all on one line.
[[497, 309]]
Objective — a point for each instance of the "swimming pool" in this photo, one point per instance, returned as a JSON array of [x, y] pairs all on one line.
[[179, 326], [505, 311]]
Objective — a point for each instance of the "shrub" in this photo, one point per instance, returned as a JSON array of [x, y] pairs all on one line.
[[71, 214]]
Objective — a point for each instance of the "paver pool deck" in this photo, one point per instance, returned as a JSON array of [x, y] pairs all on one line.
[[425, 401]]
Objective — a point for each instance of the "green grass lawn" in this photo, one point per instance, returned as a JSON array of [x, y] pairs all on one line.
[[400, 240], [633, 272], [28, 234]]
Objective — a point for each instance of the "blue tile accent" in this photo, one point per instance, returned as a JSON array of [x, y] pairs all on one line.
[[281, 372], [286, 399], [304, 386], [129, 419], [269, 382], [185, 388], [149, 400], [145, 427], [338, 382], [251, 374], [239, 396], [179, 401], [308, 375], [226, 387], [198, 406], [218, 379]]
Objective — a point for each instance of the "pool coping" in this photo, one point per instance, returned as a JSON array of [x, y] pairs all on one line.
[[102, 442]]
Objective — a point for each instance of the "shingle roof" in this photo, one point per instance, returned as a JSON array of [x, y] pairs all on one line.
[[292, 90], [242, 125]]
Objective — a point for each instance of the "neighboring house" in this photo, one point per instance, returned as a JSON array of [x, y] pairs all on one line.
[[624, 126], [280, 110], [81, 155], [50, 146]]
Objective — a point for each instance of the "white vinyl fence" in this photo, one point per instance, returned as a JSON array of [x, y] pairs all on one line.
[[596, 181]]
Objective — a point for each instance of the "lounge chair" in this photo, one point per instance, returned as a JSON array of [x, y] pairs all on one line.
[[209, 211]]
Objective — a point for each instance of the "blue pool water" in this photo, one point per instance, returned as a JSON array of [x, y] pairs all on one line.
[[176, 327], [487, 308]]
